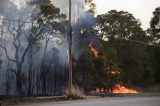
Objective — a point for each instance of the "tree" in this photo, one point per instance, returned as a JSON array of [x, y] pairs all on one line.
[[51, 22], [121, 32], [155, 23], [8, 79], [92, 6], [154, 51], [83, 70], [91, 72], [16, 31], [116, 24], [42, 69], [157, 63], [51, 27], [149, 77]]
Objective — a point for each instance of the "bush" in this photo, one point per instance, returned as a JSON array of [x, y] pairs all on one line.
[[149, 77], [76, 93]]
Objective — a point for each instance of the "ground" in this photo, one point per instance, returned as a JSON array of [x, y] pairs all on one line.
[[140, 99], [109, 101]]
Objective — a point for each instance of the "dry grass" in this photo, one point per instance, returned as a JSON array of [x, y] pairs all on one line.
[[76, 93]]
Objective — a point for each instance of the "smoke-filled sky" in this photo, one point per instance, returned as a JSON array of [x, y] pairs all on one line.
[[16, 2], [141, 9]]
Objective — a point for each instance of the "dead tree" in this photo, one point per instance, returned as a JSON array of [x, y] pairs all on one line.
[[16, 31], [8, 79]]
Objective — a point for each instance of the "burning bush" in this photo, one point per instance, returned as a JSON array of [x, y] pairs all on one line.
[[93, 70]]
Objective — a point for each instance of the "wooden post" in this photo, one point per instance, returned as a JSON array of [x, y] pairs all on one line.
[[70, 47]]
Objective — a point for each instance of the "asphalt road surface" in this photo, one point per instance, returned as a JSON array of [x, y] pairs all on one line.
[[112, 101]]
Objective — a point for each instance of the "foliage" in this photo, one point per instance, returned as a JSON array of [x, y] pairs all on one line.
[[155, 23], [121, 50], [121, 33], [155, 61], [118, 25], [92, 72], [92, 6], [127, 53], [149, 77]]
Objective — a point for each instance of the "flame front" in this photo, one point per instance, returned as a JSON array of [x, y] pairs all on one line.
[[93, 49], [122, 89], [118, 88]]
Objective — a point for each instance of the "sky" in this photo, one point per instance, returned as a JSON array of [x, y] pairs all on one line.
[[141, 9], [16, 2]]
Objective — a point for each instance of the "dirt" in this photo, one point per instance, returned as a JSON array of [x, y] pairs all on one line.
[[16, 101]]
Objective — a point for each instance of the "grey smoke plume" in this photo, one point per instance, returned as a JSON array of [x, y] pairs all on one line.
[[80, 20], [83, 33], [82, 23]]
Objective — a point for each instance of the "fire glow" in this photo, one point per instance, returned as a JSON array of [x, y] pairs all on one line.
[[118, 88], [93, 50], [122, 89]]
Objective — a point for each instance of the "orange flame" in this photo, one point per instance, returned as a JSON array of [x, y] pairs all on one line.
[[99, 90], [122, 89], [118, 88], [93, 49]]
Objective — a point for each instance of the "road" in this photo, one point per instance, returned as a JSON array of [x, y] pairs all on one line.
[[109, 101]]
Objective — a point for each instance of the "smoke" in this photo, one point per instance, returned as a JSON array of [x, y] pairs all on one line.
[[78, 8], [83, 33], [16, 2], [82, 22]]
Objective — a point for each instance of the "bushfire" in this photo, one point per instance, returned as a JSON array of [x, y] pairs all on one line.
[[122, 89], [118, 88], [93, 49]]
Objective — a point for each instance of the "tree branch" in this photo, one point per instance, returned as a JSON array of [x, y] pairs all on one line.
[[6, 53], [25, 52]]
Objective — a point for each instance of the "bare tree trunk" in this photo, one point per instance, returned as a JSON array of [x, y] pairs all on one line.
[[8, 83], [55, 82], [29, 80], [18, 60], [19, 83]]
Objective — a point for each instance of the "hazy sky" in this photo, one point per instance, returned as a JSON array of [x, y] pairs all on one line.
[[16, 2], [141, 9]]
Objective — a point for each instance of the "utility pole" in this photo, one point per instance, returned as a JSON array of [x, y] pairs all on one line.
[[70, 47]]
